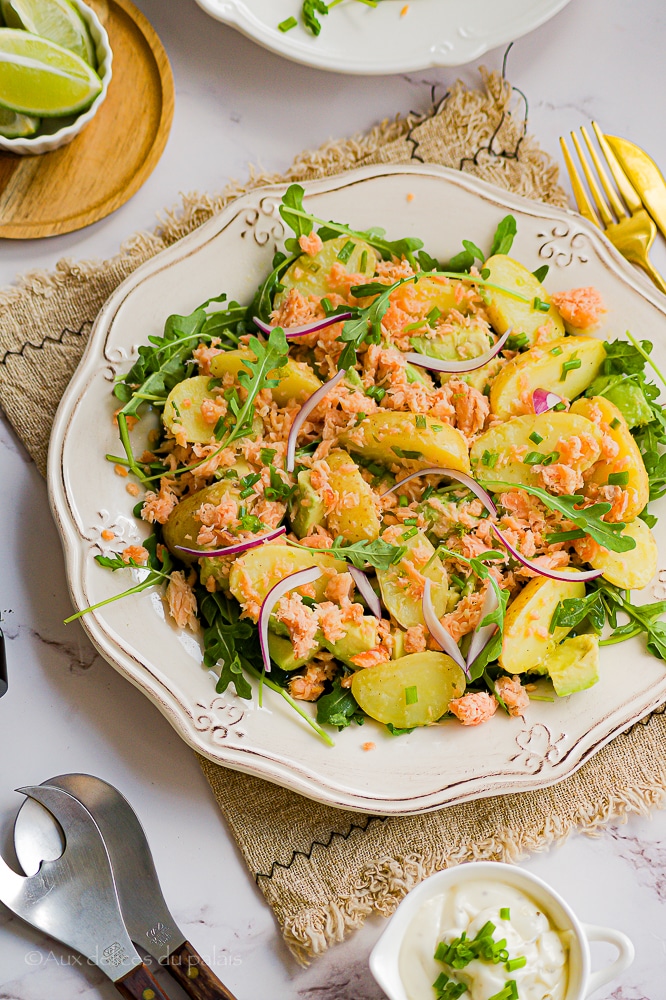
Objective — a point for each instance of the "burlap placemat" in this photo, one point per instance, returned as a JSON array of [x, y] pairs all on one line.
[[321, 869]]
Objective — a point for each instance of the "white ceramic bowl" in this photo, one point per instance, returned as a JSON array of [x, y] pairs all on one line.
[[46, 142], [384, 959]]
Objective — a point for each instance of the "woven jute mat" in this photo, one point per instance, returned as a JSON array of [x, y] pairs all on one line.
[[324, 870]]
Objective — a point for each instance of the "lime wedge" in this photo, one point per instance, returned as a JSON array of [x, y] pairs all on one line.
[[57, 20], [16, 126], [38, 77]]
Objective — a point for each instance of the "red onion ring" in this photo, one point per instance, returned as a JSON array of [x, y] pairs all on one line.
[[460, 477], [458, 367], [552, 574], [437, 630], [482, 636], [366, 589], [304, 412], [298, 579], [232, 550], [300, 331], [543, 400]]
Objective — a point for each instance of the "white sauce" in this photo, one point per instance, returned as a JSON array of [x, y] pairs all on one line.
[[468, 907]]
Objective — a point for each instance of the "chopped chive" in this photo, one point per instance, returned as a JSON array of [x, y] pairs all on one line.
[[433, 315], [287, 24], [615, 423], [534, 458], [364, 261], [552, 457], [505, 913], [618, 479], [213, 383], [421, 421], [517, 341], [570, 366], [376, 392], [405, 453], [411, 695], [485, 273], [441, 951], [489, 459], [220, 429], [535, 437], [326, 305], [437, 427], [409, 534], [360, 417], [540, 305], [428, 492], [559, 407], [267, 455], [556, 351], [516, 963], [247, 492], [409, 521], [346, 251], [403, 501]]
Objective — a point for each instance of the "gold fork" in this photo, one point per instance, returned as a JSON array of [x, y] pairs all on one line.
[[634, 231]]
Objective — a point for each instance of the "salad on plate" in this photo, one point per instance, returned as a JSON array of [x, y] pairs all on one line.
[[394, 487]]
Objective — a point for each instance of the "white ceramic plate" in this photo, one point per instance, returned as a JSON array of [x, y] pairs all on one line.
[[356, 38], [407, 774]]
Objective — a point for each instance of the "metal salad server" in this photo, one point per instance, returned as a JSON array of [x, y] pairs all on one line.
[[144, 910], [3, 665], [74, 900]]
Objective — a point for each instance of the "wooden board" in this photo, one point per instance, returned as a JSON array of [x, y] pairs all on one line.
[[83, 182]]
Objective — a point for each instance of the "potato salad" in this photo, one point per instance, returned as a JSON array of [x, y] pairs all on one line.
[[394, 487]]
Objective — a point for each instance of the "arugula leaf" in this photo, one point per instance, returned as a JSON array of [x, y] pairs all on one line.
[[339, 708], [504, 236], [254, 376], [541, 272], [263, 299], [295, 216], [223, 630], [396, 731], [493, 648], [573, 611], [645, 618], [606, 533], [309, 10], [655, 465], [379, 553]]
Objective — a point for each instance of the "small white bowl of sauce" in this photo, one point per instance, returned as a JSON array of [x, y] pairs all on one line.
[[490, 931]]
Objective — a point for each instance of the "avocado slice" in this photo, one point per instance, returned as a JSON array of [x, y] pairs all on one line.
[[307, 508], [574, 664], [282, 651], [358, 638]]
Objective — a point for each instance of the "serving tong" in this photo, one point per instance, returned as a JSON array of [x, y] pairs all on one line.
[[100, 895]]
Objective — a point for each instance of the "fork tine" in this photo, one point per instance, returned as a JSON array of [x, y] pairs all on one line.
[[580, 194], [597, 196], [611, 193], [627, 190]]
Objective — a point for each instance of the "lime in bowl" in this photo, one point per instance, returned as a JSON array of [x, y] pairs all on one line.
[[70, 59]]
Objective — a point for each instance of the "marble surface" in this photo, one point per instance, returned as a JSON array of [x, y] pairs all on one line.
[[68, 710]]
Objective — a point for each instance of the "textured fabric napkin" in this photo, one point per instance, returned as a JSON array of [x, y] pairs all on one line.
[[324, 870]]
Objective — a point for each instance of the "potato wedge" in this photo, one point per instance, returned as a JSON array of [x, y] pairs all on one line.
[[183, 525], [354, 516], [394, 439], [527, 640], [254, 573], [182, 409], [499, 453], [425, 294], [630, 570], [310, 275], [546, 368], [505, 312], [297, 380], [400, 594], [629, 460], [428, 681]]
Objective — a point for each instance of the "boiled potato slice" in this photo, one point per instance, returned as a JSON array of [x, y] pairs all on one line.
[[355, 515], [395, 439], [183, 525], [544, 368], [397, 586], [628, 459], [428, 680], [527, 640], [505, 312], [630, 570], [297, 380], [257, 571], [310, 275], [499, 453], [183, 409], [574, 665]]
